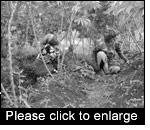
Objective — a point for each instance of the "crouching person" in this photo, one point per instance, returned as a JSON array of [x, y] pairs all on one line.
[[104, 54], [49, 50]]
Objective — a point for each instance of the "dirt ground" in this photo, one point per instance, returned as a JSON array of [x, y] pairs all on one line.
[[75, 90]]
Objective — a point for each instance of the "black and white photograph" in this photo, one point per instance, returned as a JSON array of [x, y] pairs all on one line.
[[72, 54]]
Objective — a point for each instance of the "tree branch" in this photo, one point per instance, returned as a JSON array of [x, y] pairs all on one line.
[[27, 24], [36, 40], [10, 54], [61, 28], [3, 89], [135, 42]]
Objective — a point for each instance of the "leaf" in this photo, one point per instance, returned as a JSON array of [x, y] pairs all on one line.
[[59, 3], [124, 6], [76, 9], [89, 5], [111, 8], [83, 20]]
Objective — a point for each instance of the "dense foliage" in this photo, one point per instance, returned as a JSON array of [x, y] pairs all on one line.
[[25, 82]]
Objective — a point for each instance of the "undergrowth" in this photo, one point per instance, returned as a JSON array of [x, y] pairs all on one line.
[[79, 87]]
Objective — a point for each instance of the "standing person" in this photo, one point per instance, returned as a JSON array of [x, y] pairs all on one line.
[[104, 54]]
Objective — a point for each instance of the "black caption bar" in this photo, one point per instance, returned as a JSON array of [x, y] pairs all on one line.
[[73, 116]]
